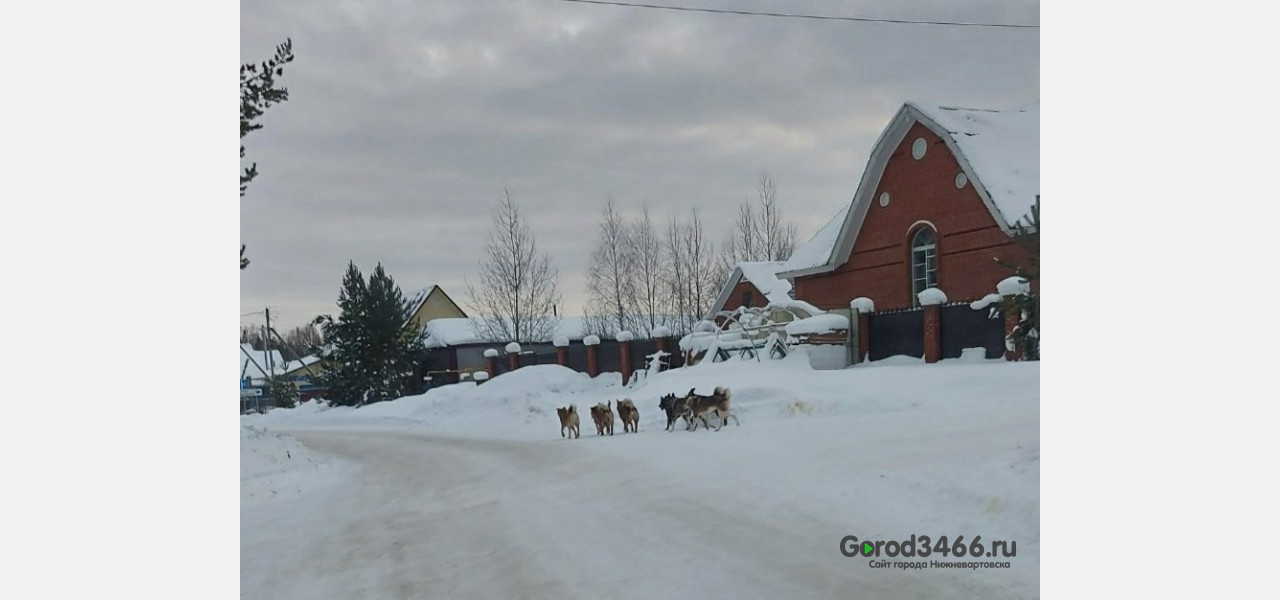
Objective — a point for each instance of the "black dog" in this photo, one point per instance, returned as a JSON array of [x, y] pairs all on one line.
[[675, 407]]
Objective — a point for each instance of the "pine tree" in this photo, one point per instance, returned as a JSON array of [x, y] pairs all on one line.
[[1026, 335], [258, 92], [374, 345]]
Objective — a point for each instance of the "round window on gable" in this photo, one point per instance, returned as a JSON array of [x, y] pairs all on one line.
[[884, 199], [918, 148], [961, 180]]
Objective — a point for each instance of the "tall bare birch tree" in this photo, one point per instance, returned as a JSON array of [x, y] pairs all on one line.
[[611, 282], [518, 289]]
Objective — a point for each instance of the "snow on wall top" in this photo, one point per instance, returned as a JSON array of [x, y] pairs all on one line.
[[512, 348], [817, 324], [625, 336], [1003, 149], [560, 341], [454, 331], [591, 340], [817, 251], [661, 331], [490, 353]]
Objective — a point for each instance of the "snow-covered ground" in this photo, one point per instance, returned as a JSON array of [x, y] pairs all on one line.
[[470, 490]]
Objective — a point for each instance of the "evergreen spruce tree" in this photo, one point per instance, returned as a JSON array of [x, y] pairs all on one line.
[[374, 346], [1026, 335]]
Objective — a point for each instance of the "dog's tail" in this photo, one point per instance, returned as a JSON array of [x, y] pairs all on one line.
[[573, 408], [691, 390], [723, 391]]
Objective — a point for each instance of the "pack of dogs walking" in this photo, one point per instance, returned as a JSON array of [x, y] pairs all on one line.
[[694, 408]]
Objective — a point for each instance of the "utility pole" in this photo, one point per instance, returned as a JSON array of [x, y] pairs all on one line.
[[266, 345]]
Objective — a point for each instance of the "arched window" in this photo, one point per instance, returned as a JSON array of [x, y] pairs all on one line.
[[924, 263]]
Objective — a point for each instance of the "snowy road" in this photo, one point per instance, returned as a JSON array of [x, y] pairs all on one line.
[[435, 517]]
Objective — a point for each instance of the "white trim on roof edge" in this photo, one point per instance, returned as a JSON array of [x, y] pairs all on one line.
[[893, 134]]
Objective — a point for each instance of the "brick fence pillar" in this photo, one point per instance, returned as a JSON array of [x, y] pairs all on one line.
[[624, 354], [932, 333], [562, 356], [491, 362], [513, 356], [593, 344], [863, 307], [864, 335]]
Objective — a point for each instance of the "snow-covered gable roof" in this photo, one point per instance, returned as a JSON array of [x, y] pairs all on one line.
[[249, 369], [1002, 148], [762, 275], [416, 299], [999, 151], [816, 251]]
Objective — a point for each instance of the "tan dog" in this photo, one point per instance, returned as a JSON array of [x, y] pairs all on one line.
[[569, 420], [602, 414], [629, 414]]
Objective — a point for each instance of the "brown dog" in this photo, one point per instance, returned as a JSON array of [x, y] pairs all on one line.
[[629, 414], [597, 419], [569, 420], [602, 414]]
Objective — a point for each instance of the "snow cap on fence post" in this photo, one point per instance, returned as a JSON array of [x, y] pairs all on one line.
[[1012, 286], [661, 331], [931, 297], [591, 340], [625, 336], [480, 376], [513, 348], [560, 341], [863, 304]]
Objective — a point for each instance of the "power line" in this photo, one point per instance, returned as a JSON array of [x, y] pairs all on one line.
[[800, 16]]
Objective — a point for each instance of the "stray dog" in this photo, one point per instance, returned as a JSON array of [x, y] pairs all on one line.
[[630, 415], [675, 407], [701, 406], [569, 420], [602, 414]]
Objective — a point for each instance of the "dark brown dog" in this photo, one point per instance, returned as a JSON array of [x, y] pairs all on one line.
[[569, 420]]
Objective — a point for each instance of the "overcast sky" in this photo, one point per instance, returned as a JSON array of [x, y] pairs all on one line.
[[406, 120]]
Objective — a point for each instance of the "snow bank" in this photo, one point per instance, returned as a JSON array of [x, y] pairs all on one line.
[[1012, 286], [272, 464], [932, 296], [863, 304], [821, 323]]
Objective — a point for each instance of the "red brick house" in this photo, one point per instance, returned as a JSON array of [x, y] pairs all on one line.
[[936, 205]]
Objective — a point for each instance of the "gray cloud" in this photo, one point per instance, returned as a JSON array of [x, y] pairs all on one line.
[[407, 120]]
